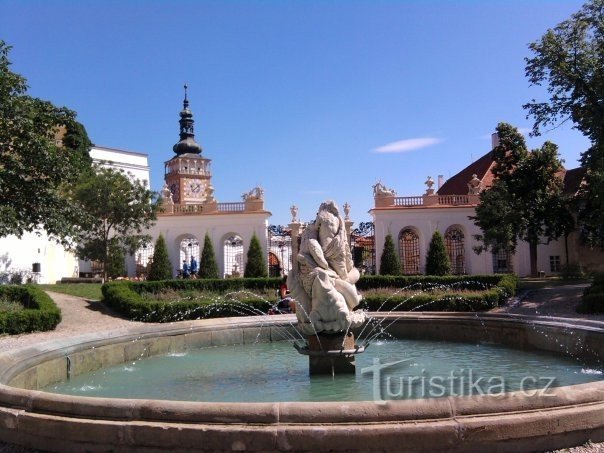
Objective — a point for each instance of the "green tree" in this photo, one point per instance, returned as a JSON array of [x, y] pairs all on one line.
[[526, 202], [117, 209], [116, 263], [568, 60], [255, 265], [437, 261], [389, 262], [161, 267], [208, 267], [34, 169]]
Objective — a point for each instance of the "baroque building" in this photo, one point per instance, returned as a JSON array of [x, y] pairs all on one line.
[[190, 210], [412, 220]]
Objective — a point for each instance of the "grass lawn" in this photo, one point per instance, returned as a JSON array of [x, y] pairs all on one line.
[[86, 290]]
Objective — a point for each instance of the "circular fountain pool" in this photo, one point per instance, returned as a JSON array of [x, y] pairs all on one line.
[[266, 372], [515, 421]]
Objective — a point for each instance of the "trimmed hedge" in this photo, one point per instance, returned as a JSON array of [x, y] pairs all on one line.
[[126, 297], [593, 297], [40, 313]]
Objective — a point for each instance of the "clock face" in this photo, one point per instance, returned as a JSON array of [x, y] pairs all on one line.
[[193, 188]]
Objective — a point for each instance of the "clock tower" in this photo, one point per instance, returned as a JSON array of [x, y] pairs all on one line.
[[188, 174]]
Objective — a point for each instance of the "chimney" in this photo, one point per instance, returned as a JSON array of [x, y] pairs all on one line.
[[441, 181], [495, 140]]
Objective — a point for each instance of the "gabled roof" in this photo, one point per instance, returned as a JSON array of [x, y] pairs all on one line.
[[573, 179], [458, 184]]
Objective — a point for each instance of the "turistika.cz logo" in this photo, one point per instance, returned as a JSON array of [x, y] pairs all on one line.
[[459, 382]]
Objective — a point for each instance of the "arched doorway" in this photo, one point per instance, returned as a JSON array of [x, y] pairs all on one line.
[[233, 256], [454, 241], [408, 244]]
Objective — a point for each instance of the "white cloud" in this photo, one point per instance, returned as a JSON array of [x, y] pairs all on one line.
[[411, 144]]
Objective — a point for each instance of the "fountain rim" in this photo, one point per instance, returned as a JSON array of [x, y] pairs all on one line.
[[584, 402]]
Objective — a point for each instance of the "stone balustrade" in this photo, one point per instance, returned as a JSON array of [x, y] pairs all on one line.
[[213, 207], [431, 200]]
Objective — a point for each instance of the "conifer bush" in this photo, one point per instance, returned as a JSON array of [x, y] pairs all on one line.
[[161, 267], [208, 267], [437, 261], [255, 267], [390, 263], [116, 262]]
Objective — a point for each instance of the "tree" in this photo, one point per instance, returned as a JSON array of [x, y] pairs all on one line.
[[526, 201], [208, 267], [117, 211], [256, 264], [161, 267], [437, 261], [43, 149], [389, 262], [568, 59], [116, 263]]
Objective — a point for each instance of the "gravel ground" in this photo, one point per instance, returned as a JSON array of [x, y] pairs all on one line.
[[81, 316]]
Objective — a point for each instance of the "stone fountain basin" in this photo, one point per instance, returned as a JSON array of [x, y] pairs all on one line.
[[514, 422]]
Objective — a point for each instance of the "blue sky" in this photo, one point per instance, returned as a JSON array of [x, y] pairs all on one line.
[[309, 99]]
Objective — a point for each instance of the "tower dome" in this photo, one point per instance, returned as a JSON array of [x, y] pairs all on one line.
[[187, 143]]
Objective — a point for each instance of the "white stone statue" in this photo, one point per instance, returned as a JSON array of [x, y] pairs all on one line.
[[475, 185], [166, 195], [257, 193], [323, 283], [380, 190], [294, 211]]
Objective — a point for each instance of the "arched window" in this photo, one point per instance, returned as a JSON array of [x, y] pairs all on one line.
[[233, 256], [143, 258], [502, 261], [408, 244], [189, 248], [454, 240]]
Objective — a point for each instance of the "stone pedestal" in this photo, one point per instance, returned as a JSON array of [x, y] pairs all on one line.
[[331, 353]]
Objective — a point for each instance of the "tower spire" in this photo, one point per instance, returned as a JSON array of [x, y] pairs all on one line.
[[187, 143]]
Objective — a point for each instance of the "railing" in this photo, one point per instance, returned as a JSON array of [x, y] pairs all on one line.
[[231, 207], [453, 200], [408, 201], [188, 209]]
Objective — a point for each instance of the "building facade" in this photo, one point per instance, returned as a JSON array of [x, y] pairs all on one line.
[[412, 220]]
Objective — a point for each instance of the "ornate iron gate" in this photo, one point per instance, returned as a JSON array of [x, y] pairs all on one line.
[[279, 251], [362, 246]]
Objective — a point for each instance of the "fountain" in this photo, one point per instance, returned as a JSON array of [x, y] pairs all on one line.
[[323, 285]]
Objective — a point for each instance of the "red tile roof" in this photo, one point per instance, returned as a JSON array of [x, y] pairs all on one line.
[[458, 184]]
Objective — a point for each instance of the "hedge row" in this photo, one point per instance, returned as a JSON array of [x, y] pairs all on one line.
[[448, 301], [593, 297], [40, 312], [472, 282], [125, 297]]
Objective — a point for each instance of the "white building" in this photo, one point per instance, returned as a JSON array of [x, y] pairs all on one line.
[[412, 221]]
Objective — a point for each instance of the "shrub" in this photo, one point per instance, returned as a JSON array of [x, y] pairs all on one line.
[[208, 267], [570, 271], [593, 298], [255, 267], [490, 291], [40, 312], [116, 262], [437, 261], [125, 297], [389, 263], [160, 268]]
